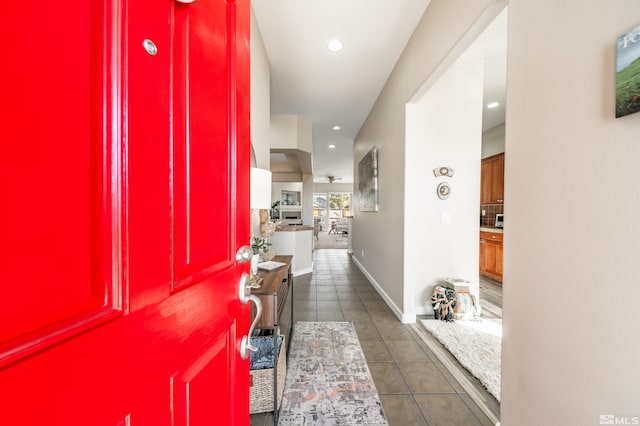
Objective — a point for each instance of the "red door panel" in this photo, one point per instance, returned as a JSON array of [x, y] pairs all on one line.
[[59, 272], [197, 389], [126, 174], [201, 162], [148, 154]]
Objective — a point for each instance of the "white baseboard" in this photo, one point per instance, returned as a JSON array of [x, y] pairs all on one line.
[[423, 310], [403, 317]]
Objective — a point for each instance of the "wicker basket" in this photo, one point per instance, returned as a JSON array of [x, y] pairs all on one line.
[[261, 390]]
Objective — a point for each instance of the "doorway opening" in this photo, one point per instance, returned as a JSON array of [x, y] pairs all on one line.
[[449, 125], [331, 213]]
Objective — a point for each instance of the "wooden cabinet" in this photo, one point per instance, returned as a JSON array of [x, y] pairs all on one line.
[[491, 255], [492, 180], [273, 291]]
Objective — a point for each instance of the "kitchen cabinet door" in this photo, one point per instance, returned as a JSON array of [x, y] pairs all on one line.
[[492, 180], [491, 255], [485, 182], [498, 264], [497, 179]]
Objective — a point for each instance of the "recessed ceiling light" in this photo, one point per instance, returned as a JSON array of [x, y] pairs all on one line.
[[332, 146], [336, 127], [492, 105], [335, 45]]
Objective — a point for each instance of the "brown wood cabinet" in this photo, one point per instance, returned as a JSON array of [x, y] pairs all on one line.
[[492, 180], [491, 255], [273, 293]]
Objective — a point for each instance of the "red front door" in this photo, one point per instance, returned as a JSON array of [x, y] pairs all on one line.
[[124, 158]]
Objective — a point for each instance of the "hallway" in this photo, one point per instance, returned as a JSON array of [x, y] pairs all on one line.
[[414, 386]]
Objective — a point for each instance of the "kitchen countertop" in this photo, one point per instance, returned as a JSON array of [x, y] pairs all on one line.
[[492, 229], [294, 228]]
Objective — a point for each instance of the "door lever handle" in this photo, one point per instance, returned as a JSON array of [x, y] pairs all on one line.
[[245, 345]]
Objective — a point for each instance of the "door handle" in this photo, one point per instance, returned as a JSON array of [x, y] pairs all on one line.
[[245, 345], [244, 254], [245, 296]]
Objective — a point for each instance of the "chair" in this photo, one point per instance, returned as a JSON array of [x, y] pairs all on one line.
[[317, 226]]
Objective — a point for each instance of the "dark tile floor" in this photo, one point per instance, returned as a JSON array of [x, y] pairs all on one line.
[[414, 386]]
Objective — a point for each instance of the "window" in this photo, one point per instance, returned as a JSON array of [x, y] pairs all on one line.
[[319, 205], [339, 204]]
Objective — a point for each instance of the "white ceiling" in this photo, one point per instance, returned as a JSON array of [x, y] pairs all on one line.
[[339, 88]]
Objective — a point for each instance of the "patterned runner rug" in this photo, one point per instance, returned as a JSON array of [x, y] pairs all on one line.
[[328, 379]]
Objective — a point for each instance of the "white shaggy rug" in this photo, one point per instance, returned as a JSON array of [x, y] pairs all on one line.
[[477, 345]]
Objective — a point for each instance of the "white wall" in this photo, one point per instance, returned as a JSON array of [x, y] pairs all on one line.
[[284, 131], [260, 108], [307, 200], [332, 187], [291, 132], [444, 128], [493, 141], [571, 275], [260, 98], [378, 238]]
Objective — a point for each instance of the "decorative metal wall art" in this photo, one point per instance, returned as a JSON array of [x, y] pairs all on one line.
[[368, 181], [443, 171]]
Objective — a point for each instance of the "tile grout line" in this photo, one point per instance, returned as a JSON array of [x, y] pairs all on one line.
[[458, 375], [334, 277]]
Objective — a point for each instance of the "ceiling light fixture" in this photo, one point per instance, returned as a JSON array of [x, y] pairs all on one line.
[[335, 45], [332, 146], [336, 127], [492, 105]]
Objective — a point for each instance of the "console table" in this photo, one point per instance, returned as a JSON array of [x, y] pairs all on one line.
[[273, 291]]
